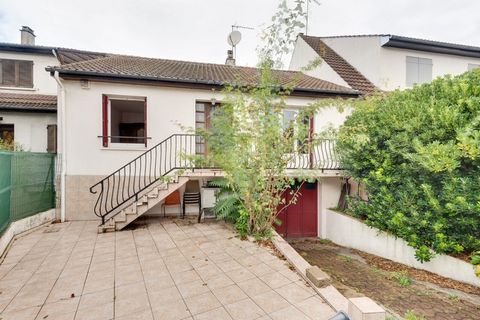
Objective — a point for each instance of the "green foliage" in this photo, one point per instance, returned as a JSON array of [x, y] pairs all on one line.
[[418, 154], [10, 146], [249, 140], [409, 315], [475, 259], [228, 204], [402, 278]]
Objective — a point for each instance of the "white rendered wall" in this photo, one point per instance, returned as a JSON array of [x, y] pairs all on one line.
[[386, 66], [393, 65], [30, 128], [363, 53], [43, 83], [350, 232], [303, 55], [167, 109]]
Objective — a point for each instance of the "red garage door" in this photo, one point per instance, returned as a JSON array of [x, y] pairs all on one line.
[[300, 219]]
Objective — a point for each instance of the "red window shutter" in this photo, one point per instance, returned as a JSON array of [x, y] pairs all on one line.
[[105, 120], [145, 122]]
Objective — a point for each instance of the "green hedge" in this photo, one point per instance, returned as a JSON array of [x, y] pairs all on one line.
[[418, 153]]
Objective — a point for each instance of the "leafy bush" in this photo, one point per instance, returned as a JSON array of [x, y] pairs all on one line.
[[418, 154]]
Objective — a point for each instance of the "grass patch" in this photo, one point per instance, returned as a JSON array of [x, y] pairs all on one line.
[[401, 278], [412, 316]]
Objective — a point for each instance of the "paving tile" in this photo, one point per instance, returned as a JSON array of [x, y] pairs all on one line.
[[253, 287], [294, 293], [229, 294], [96, 299], [270, 301], [132, 304], [102, 311], [24, 314], [315, 308], [174, 310], [216, 314], [187, 276], [240, 274], [141, 315], [288, 313], [67, 306], [244, 310], [165, 295], [219, 281], [193, 288], [202, 303], [275, 280]]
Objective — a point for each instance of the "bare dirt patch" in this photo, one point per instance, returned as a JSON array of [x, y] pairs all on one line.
[[395, 286]]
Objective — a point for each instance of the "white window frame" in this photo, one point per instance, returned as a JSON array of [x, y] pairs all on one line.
[[418, 61]]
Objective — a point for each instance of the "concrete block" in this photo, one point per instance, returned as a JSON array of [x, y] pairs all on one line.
[[319, 278], [365, 309]]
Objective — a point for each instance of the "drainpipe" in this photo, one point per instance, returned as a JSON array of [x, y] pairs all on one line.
[[64, 146]]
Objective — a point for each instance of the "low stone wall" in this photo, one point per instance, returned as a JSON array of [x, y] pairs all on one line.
[[350, 232], [23, 225]]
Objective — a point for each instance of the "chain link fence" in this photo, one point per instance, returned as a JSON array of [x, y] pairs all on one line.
[[26, 185]]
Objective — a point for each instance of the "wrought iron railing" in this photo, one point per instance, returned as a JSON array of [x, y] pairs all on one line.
[[134, 178]]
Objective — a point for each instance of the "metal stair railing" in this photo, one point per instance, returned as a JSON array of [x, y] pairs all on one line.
[[135, 177], [129, 181]]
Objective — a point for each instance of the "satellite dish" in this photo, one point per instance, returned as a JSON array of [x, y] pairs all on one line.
[[234, 38]]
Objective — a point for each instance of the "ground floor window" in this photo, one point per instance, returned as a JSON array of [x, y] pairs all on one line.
[[7, 133], [203, 113], [124, 120]]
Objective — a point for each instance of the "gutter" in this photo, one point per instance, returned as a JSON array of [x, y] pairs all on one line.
[[185, 81], [432, 46], [61, 113]]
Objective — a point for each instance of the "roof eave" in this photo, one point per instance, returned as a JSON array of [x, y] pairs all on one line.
[[429, 46], [27, 49], [185, 81]]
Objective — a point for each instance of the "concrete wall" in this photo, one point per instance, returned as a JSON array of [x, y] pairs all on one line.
[[43, 83], [350, 232], [23, 225], [30, 128]]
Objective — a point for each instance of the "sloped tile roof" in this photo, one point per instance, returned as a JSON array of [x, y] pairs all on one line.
[[66, 56], [31, 102], [141, 68], [352, 76]]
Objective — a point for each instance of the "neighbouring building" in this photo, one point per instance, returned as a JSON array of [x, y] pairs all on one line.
[[28, 94], [121, 120], [28, 100], [383, 61]]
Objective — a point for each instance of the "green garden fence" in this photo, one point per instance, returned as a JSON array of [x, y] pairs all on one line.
[[26, 185]]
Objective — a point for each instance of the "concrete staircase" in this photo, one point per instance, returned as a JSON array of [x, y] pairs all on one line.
[[152, 196]]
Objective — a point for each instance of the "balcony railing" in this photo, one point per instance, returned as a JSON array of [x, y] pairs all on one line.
[[131, 180]]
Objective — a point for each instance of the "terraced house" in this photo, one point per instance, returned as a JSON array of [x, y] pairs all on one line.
[[121, 120]]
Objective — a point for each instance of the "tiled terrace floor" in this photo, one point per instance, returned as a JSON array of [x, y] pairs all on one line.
[[161, 269]]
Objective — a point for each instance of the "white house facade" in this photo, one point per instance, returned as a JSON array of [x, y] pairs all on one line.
[[387, 62], [116, 109]]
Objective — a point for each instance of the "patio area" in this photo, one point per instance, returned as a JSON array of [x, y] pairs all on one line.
[[157, 269]]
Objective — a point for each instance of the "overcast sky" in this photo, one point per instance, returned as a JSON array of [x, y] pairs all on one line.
[[197, 29]]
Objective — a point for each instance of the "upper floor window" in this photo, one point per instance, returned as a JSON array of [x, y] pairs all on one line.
[[472, 66], [16, 73], [124, 120], [419, 70]]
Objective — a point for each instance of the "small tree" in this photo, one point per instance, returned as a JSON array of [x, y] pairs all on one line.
[[249, 139]]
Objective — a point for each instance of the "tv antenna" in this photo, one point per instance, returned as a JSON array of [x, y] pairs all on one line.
[[235, 36]]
